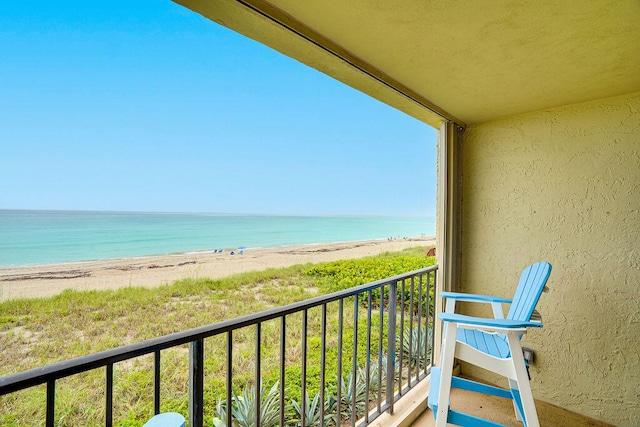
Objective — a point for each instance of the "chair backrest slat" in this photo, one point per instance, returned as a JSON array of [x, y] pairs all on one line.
[[532, 282]]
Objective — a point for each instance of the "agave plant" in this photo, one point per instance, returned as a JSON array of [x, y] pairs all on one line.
[[313, 414], [373, 375], [220, 414], [243, 408], [349, 390], [383, 363], [415, 336]]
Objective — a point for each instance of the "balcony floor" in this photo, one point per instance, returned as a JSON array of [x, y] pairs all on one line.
[[501, 411]]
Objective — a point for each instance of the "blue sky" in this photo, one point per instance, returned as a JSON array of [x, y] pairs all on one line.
[[147, 106]]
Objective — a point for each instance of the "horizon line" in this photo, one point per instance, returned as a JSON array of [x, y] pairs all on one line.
[[215, 213]]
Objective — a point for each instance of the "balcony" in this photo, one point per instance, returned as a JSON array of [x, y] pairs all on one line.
[[352, 356], [352, 332]]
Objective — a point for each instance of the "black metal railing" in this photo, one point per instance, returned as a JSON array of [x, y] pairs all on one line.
[[394, 313]]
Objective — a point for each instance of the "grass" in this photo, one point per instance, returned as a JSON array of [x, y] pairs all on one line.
[[37, 332]]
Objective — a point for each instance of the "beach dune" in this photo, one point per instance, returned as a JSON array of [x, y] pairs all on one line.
[[48, 280]]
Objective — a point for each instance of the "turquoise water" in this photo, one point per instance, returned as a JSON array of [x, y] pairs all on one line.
[[46, 237]]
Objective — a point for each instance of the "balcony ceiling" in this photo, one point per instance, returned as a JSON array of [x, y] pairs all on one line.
[[471, 61]]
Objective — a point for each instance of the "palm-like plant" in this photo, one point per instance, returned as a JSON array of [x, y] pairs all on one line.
[[417, 337], [373, 375], [349, 390], [243, 408], [384, 360], [313, 413]]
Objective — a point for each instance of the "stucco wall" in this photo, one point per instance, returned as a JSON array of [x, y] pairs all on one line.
[[563, 186]]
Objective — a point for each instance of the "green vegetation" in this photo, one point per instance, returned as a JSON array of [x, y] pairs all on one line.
[[339, 275], [37, 332]]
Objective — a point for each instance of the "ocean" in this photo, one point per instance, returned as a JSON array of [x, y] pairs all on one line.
[[48, 237]]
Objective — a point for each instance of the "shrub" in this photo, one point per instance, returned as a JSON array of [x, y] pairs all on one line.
[[339, 275]]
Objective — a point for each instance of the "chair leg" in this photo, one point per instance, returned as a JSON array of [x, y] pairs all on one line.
[[522, 383], [513, 385], [446, 365]]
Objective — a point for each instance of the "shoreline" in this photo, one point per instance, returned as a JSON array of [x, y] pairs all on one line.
[[198, 252], [156, 270]]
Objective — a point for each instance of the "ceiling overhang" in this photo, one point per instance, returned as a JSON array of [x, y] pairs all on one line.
[[468, 62]]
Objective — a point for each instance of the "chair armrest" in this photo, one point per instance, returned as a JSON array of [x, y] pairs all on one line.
[[453, 297], [473, 297], [485, 323]]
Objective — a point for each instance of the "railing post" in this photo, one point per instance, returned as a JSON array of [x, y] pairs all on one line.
[[354, 367], [258, 379], [196, 383], [401, 338], [156, 382], [323, 363], [283, 350], [426, 329], [391, 343], [229, 381], [108, 420], [303, 391], [380, 334], [433, 317], [339, 376], [51, 403], [410, 356], [368, 360]]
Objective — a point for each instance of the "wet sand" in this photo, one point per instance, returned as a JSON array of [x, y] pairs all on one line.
[[48, 280]]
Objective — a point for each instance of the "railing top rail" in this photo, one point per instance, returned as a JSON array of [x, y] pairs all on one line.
[[33, 377]]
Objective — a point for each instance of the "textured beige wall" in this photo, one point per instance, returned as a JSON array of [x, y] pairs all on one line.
[[563, 186]]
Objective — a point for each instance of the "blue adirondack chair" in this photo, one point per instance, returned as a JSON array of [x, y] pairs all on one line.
[[492, 344]]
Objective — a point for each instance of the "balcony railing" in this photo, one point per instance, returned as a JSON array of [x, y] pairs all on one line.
[[382, 332]]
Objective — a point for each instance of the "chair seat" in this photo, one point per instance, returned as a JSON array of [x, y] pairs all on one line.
[[493, 344]]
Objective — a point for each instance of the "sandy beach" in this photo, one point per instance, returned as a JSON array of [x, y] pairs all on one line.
[[48, 280]]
